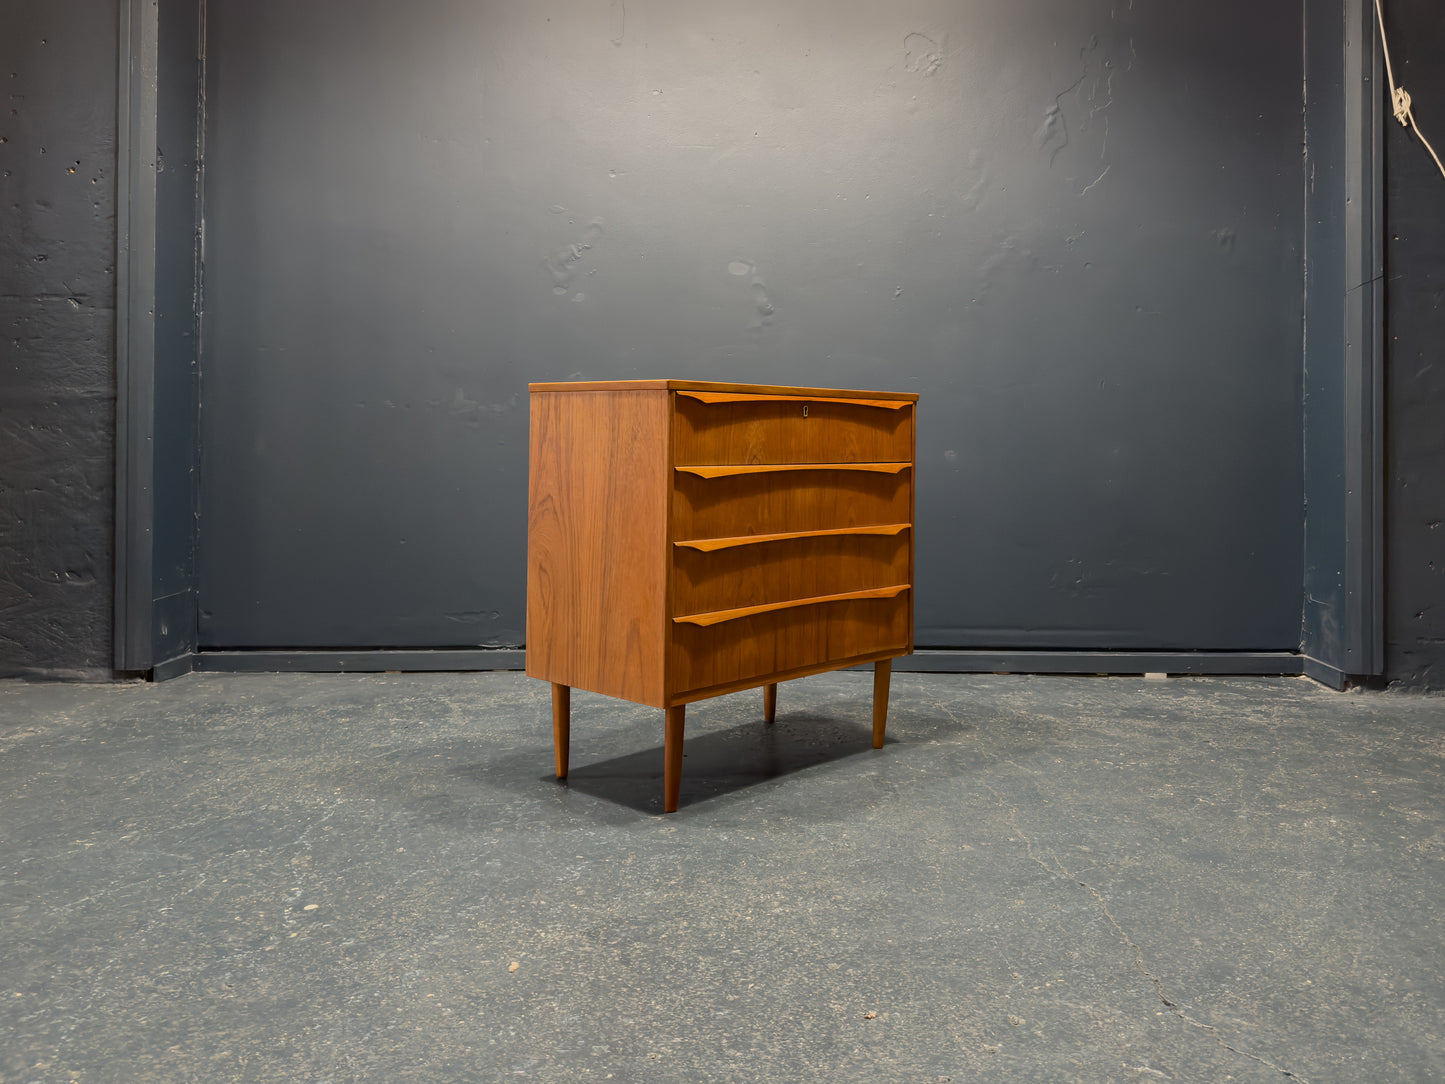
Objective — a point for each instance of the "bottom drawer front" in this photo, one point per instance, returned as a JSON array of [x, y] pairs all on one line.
[[754, 647]]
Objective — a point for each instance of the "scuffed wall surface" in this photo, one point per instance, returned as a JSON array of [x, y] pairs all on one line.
[[57, 330], [1415, 366]]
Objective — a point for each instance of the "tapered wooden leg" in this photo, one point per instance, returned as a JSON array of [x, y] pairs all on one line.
[[672, 758], [561, 725], [770, 702], [882, 670]]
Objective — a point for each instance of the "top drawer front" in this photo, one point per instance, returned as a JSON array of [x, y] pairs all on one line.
[[788, 430]]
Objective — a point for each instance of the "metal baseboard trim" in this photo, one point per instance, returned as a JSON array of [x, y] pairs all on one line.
[[361, 662], [1324, 673], [173, 668], [1263, 663]]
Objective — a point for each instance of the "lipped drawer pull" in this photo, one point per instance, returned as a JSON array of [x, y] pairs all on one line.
[[708, 545], [734, 397], [718, 616], [722, 471]]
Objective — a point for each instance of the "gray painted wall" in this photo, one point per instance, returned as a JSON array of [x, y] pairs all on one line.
[[1415, 377], [1072, 226], [57, 327], [56, 358]]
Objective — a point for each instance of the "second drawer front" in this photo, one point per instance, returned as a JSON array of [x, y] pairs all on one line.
[[787, 501], [777, 571], [777, 431]]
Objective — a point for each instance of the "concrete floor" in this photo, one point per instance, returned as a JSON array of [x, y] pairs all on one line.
[[375, 877]]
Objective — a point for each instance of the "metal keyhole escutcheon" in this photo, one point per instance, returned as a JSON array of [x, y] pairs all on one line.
[[805, 410]]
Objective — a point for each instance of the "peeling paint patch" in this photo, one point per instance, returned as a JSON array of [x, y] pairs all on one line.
[[921, 54]]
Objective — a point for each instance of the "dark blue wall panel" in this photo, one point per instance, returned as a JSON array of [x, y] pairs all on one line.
[[1415, 376], [1324, 625], [176, 377], [1075, 227]]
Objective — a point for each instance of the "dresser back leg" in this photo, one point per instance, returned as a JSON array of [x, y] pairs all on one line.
[[561, 725], [882, 671]]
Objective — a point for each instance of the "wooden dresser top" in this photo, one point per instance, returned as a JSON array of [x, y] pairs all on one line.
[[714, 386]]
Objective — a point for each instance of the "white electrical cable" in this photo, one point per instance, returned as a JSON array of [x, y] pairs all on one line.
[[1399, 98]]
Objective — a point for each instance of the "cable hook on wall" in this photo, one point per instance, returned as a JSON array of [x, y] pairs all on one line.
[[1399, 97]]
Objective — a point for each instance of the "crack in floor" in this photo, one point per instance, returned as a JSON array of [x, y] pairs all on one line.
[[1058, 868]]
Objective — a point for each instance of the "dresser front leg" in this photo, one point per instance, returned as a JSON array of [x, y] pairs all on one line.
[[770, 702], [882, 670], [561, 725], [672, 758]]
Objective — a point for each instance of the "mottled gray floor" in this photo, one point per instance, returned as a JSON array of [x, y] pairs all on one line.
[[374, 877]]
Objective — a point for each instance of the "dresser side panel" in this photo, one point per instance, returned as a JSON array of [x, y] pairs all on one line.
[[598, 481]]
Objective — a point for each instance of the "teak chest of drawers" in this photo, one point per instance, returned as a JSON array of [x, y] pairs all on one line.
[[689, 539]]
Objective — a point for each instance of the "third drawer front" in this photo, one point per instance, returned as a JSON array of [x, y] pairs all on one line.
[[775, 642], [757, 573]]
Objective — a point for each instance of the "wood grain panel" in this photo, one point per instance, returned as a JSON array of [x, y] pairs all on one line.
[[704, 692], [752, 648], [789, 430], [789, 501], [597, 553], [787, 568]]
